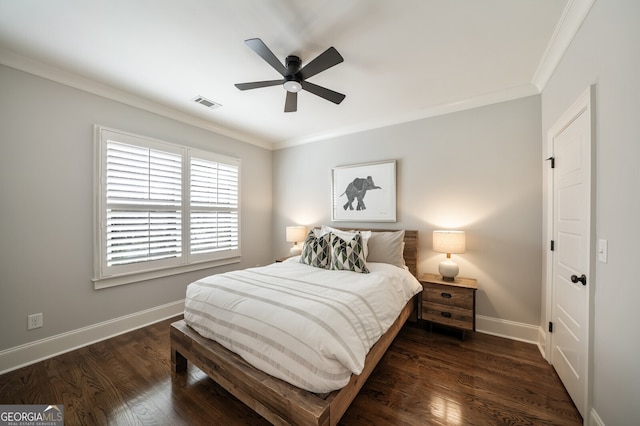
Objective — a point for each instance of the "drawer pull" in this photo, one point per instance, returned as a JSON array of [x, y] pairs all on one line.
[[446, 295], [446, 314]]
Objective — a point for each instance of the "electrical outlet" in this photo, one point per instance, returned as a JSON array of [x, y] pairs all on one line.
[[34, 321]]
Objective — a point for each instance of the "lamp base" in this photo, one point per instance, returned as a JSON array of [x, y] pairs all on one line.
[[295, 250], [448, 269]]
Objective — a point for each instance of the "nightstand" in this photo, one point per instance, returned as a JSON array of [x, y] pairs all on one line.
[[450, 303], [282, 259]]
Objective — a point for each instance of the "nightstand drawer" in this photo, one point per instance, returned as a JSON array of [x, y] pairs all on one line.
[[448, 315], [450, 303], [453, 296]]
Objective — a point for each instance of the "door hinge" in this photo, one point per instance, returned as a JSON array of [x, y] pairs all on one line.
[[550, 327], [553, 245], [553, 162]]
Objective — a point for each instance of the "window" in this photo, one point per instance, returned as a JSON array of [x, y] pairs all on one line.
[[161, 208]]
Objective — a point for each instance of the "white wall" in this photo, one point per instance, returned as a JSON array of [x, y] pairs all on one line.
[[606, 52], [46, 192], [476, 170]]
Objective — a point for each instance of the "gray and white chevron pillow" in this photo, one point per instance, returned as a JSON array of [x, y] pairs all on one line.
[[348, 254], [315, 250]]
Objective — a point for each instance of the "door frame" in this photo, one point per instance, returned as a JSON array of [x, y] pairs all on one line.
[[585, 103]]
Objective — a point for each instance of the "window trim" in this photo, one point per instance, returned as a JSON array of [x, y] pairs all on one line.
[[187, 262]]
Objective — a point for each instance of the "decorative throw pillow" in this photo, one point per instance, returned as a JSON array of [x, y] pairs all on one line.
[[348, 254], [315, 250], [347, 235]]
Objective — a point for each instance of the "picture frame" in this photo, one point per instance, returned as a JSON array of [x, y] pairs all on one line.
[[364, 192]]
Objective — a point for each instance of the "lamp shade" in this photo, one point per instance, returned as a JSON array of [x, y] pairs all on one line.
[[295, 234], [449, 242]]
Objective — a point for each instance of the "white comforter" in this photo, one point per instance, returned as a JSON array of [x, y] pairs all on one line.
[[308, 326]]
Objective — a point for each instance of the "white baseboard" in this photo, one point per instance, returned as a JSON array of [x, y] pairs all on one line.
[[510, 329], [30, 353], [542, 342], [20, 356]]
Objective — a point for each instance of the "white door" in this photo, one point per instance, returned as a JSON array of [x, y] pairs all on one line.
[[572, 260]]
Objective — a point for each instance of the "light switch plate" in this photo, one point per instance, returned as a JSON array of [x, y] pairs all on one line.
[[602, 251]]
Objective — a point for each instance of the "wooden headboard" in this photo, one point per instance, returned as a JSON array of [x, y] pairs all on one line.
[[410, 246]]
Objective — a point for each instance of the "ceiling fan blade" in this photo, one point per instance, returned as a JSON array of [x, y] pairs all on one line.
[[323, 92], [323, 61], [265, 53], [258, 84], [291, 104]]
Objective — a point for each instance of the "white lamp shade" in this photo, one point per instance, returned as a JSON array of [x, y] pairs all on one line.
[[295, 234], [449, 242]]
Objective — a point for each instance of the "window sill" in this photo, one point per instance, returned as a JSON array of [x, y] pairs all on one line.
[[100, 283]]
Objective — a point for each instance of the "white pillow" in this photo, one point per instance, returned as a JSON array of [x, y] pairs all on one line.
[[349, 235], [387, 247]]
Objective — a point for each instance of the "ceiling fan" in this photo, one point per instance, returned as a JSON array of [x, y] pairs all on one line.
[[295, 77]]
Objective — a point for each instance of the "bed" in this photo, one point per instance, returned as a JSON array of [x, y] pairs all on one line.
[[277, 400]]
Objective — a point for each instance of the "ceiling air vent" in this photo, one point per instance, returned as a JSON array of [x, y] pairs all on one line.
[[206, 102]]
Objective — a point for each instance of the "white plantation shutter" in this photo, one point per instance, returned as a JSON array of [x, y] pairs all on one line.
[[139, 175], [214, 206], [143, 205], [161, 205]]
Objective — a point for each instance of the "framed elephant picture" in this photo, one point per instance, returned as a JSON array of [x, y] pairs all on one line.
[[364, 192]]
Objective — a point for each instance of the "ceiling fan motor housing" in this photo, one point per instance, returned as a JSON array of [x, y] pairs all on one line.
[[293, 64]]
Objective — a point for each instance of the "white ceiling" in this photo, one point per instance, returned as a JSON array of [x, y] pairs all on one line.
[[403, 60]]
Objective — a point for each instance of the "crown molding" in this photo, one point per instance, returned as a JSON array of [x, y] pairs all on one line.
[[572, 18], [505, 95], [50, 72], [570, 22]]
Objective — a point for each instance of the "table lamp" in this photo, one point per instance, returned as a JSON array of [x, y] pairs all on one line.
[[448, 242], [295, 234]]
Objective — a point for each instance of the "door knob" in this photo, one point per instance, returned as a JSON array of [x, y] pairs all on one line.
[[582, 278]]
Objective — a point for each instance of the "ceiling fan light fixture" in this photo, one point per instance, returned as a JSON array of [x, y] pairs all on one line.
[[292, 86]]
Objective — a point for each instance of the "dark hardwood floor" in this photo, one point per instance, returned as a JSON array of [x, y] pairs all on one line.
[[424, 379]]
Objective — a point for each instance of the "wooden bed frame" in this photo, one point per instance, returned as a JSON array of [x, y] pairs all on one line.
[[277, 401]]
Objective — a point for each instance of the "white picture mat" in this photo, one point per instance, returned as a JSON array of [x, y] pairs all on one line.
[[377, 205]]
